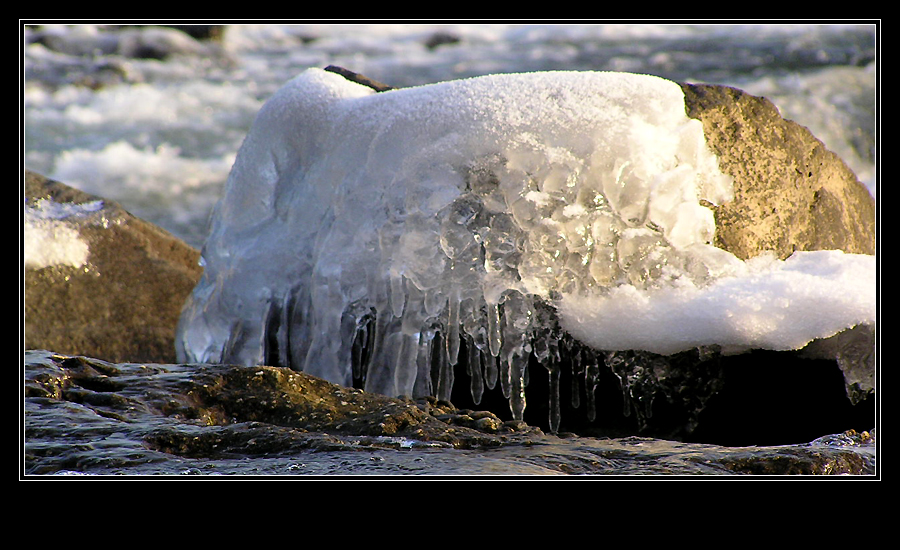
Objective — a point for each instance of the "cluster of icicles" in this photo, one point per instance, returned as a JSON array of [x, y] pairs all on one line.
[[487, 289], [519, 330], [479, 275]]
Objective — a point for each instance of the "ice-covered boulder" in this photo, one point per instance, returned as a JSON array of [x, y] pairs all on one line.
[[380, 236]]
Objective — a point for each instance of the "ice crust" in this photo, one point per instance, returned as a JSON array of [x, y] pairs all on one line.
[[375, 233]]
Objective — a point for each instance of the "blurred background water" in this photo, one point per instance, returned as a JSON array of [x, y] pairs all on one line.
[[153, 119]]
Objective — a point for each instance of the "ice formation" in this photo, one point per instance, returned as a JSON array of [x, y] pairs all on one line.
[[378, 234]]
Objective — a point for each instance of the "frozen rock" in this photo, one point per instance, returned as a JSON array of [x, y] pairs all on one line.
[[376, 235]]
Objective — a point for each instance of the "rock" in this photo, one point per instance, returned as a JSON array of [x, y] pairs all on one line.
[[791, 193], [221, 410], [162, 43], [359, 79], [201, 32], [102, 56], [123, 304], [87, 416], [438, 39], [137, 42]]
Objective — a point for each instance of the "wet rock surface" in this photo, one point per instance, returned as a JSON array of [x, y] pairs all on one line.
[[87, 416]]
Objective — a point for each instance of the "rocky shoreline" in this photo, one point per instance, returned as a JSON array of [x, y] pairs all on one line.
[[89, 416]]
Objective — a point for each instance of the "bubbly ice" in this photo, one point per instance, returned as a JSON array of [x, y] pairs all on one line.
[[373, 234]]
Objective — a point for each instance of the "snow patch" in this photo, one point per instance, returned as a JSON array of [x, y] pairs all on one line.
[[51, 235]]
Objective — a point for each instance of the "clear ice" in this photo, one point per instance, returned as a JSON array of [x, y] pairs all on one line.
[[376, 235]]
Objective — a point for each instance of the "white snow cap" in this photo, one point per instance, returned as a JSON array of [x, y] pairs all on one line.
[[449, 209], [765, 304]]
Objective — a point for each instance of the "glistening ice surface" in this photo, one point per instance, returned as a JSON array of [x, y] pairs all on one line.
[[377, 231]]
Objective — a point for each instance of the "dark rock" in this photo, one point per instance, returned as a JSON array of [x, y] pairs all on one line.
[[201, 32], [359, 79], [124, 304], [161, 43], [105, 56], [138, 42], [441, 39], [803, 460]]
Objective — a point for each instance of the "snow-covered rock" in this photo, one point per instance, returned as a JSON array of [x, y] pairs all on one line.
[[97, 280], [376, 235]]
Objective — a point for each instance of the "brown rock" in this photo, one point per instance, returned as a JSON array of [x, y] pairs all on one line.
[[230, 396], [791, 193], [124, 304]]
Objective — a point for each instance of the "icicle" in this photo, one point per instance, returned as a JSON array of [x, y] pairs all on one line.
[[651, 364], [406, 368], [637, 375], [504, 376], [349, 328], [495, 340], [444, 387], [361, 348], [358, 356], [424, 385], [476, 322], [551, 362], [398, 296], [476, 381], [435, 301], [379, 378], [517, 368], [617, 362], [591, 378], [453, 327], [577, 367], [300, 336], [555, 414], [491, 371]]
